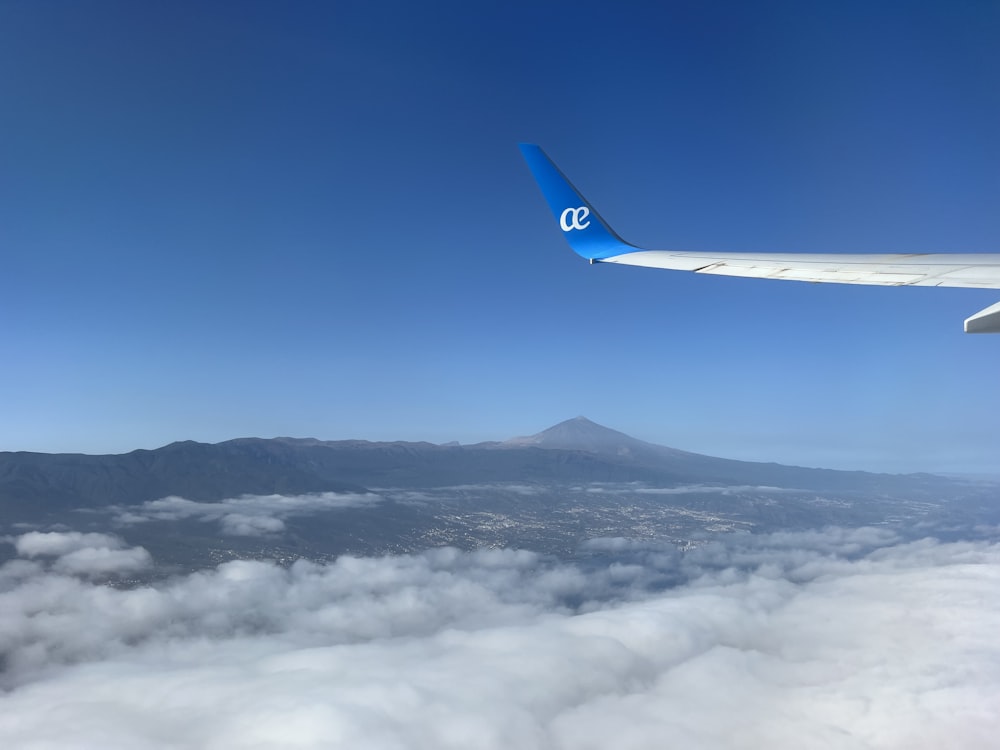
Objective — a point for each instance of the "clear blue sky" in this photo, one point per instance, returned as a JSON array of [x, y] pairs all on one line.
[[228, 219]]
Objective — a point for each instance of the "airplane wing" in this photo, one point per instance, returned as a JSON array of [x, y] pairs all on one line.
[[592, 238]]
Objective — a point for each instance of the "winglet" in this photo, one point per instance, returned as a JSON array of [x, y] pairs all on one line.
[[984, 321], [587, 233]]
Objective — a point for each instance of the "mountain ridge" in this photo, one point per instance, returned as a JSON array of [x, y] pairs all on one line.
[[573, 451]]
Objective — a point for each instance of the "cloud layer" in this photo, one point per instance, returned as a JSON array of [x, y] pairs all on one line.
[[834, 639], [249, 515], [76, 553]]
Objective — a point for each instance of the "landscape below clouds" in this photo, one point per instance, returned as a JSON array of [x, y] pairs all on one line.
[[589, 591]]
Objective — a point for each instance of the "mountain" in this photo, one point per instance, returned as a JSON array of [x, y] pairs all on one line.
[[606, 444], [550, 492], [580, 434], [575, 451]]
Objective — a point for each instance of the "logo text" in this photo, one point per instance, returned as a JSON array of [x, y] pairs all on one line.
[[575, 218]]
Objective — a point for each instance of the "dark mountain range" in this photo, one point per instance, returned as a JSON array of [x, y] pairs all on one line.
[[577, 450], [550, 492]]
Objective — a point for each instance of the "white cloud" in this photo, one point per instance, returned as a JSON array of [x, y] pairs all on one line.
[[244, 524], [599, 488], [102, 561], [37, 543], [76, 553], [512, 487], [249, 515], [835, 639]]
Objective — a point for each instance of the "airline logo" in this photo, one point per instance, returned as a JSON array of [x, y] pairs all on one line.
[[574, 218]]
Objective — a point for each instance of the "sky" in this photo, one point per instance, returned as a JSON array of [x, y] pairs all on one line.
[[854, 638], [236, 219]]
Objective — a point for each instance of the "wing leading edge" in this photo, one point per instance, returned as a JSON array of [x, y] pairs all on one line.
[[593, 238]]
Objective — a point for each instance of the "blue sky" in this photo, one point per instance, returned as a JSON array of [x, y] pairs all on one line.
[[259, 218]]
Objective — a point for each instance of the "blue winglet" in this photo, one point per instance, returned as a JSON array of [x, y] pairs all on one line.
[[587, 233]]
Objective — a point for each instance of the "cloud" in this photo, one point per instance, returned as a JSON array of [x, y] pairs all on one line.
[[511, 487], [37, 543], [462, 491], [102, 561], [835, 638], [98, 555], [599, 488], [249, 515]]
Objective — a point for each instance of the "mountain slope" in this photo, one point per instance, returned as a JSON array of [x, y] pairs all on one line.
[[583, 435], [575, 451]]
